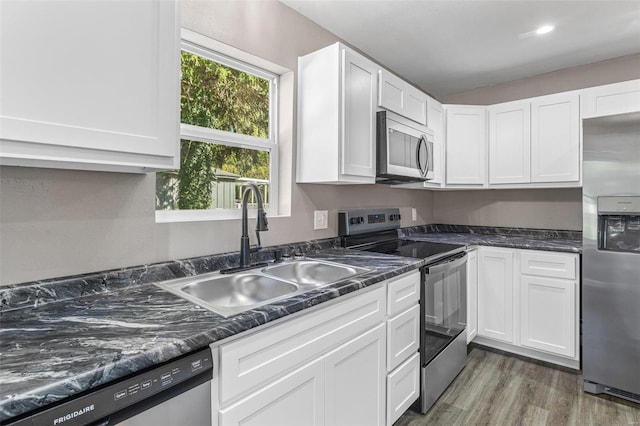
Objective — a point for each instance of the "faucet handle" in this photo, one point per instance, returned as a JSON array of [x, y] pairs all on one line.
[[262, 222]]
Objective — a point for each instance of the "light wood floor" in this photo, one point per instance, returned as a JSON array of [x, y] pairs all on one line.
[[497, 389]]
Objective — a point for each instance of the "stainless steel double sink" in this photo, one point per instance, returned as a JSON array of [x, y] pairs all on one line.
[[235, 293]]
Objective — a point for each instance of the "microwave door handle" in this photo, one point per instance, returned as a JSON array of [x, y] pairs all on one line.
[[429, 157], [423, 170]]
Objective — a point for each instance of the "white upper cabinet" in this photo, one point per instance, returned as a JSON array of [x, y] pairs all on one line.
[[555, 138], [402, 98], [617, 98], [535, 141], [510, 143], [90, 85], [435, 121], [337, 98], [466, 145]]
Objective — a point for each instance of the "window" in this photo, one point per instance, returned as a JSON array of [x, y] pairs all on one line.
[[227, 131]]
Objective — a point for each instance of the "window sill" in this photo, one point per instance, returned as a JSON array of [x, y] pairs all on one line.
[[172, 216]]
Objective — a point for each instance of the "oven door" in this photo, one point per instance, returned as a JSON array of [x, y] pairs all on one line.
[[444, 298]]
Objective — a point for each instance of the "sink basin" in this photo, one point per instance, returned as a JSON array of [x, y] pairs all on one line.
[[238, 290], [232, 294], [313, 272]]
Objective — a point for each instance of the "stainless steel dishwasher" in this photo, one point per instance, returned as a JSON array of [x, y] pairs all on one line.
[[177, 392]]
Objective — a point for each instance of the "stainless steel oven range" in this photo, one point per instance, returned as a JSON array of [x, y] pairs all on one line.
[[443, 294]]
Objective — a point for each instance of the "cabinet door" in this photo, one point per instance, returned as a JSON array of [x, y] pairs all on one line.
[[358, 115], [90, 85], [548, 314], [555, 138], [510, 143], [618, 98], [495, 293], [296, 399], [466, 145], [472, 295], [435, 121], [415, 107], [391, 94], [355, 381]]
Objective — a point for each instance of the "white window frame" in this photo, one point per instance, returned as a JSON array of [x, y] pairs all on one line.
[[221, 137]]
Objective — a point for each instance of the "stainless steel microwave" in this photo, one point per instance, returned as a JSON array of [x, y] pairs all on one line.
[[404, 150]]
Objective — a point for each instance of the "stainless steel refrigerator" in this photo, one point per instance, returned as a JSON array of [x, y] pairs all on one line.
[[611, 256]]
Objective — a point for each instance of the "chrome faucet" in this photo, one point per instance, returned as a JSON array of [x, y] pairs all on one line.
[[261, 224]]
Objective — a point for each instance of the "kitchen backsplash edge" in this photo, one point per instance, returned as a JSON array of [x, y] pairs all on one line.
[[37, 293]]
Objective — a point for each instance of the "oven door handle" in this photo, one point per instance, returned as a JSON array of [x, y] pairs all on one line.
[[447, 265]]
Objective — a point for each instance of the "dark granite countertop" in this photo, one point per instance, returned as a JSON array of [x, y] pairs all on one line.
[[520, 238], [63, 337]]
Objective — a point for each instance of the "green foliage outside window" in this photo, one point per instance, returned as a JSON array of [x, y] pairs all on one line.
[[218, 97]]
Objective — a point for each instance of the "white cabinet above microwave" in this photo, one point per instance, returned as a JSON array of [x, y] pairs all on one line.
[[394, 94]]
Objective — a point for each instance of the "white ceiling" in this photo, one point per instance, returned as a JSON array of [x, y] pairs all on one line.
[[451, 46]]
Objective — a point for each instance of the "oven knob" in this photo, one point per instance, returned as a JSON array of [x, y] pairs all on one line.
[[356, 220]]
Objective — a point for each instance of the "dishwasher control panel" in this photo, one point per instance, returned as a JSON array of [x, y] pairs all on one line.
[[113, 397]]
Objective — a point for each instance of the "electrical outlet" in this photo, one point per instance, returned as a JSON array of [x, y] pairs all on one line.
[[320, 219], [414, 214]]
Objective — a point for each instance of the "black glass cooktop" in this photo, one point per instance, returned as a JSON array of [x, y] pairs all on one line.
[[417, 249]]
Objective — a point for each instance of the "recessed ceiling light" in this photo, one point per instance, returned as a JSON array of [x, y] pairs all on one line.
[[544, 29]]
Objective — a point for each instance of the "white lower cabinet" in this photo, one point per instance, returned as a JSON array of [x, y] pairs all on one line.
[[472, 294], [528, 303], [548, 314], [296, 399], [403, 388], [495, 293], [326, 367], [355, 381], [403, 343]]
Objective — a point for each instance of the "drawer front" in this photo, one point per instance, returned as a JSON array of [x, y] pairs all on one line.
[[403, 388], [257, 359], [403, 292], [554, 265], [403, 336]]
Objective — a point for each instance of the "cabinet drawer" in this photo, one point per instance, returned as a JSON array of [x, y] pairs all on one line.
[[552, 265], [403, 292], [403, 388], [260, 358], [403, 336]]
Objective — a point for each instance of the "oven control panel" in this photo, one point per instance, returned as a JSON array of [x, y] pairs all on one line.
[[354, 222]]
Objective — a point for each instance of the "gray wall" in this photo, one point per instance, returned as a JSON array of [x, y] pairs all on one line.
[[56, 222]]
